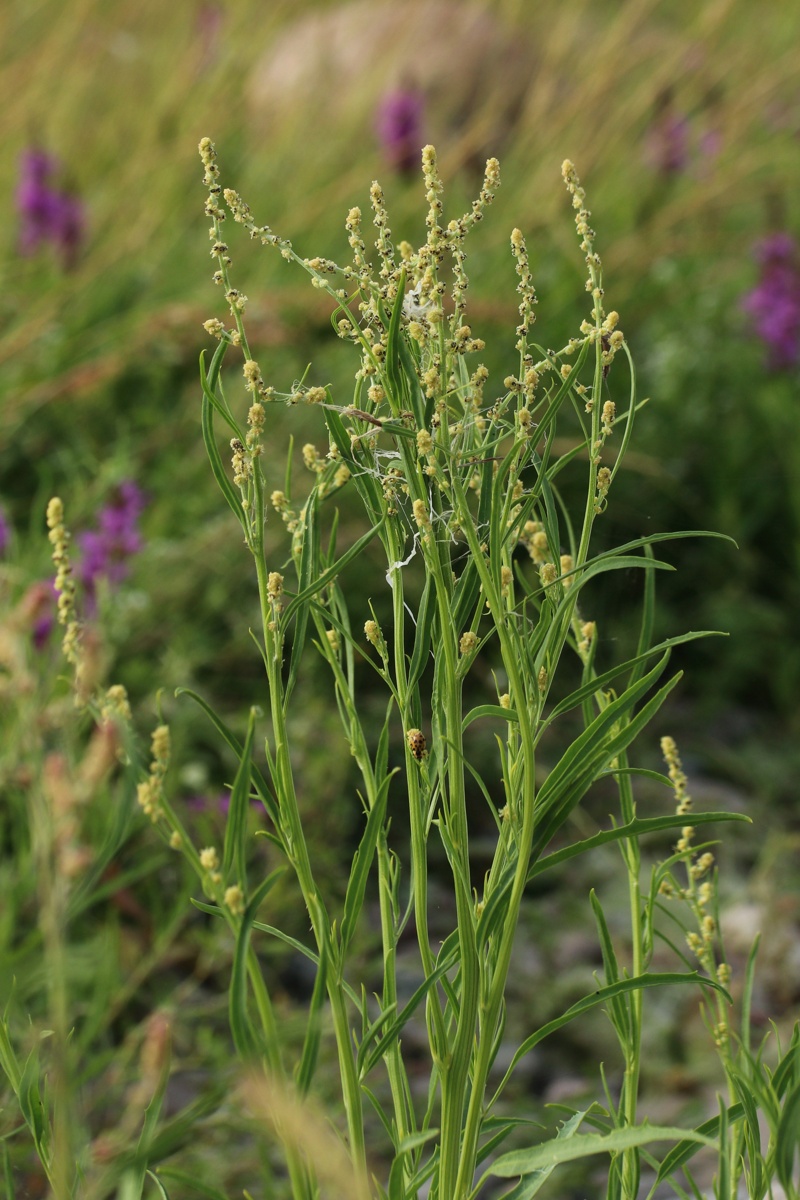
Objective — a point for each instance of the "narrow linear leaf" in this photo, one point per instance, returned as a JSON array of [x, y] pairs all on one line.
[[191, 1181], [685, 1149], [787, 1139], [488, 710], [422, 639], [162, 1191], [209, 383], [362, 862], [599, 682], [311, 1043], [558, 1150], [392, 1032], [393, 369], [634, 829], [232, 497], [601, 996], [234, 852], [532, 1183], [241, 1029]]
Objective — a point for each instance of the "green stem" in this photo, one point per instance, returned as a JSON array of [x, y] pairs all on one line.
[[297, 850], [398, 1082], [633, 1049], [455, 1074], [416, 800], [491, 1006]]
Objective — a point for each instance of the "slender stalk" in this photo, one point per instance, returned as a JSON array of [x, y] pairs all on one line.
[[490, 1009], [633, 1048], [298, 852], [456, 1071]]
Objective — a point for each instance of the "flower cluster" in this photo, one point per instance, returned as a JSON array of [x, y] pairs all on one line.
[[667, 148], [774, 303], [398, 124], [47, 213], [59, 537], [677, 142], [106, 551]]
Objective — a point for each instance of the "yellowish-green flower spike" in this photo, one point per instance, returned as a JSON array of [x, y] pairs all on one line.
[[116, 705], [150, 791], [175, 840], [421, 514], [609, 413], [64, 583], [433, 192], [586, 234], [505, 700], [241, 463], [234, 899], [468, 642], [383, 242], [147, 797], [703, 864], [685, 840], [215, 328], [373, 634], [534, 539], [588, 634], [311, 457], [160, 745], [603, 484], [333, 640], [209, 859], [525, 288], [683, 800], [548, 574]]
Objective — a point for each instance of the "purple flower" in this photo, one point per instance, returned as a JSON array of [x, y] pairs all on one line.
[[107, 550], [5, 531], [667, 139], [47, 213], [398, 123], [774, 303]]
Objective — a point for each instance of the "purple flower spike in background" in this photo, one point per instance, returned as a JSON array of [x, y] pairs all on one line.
[[399, 127], [48, 214], [107, 550], [667, 139], [35, 199], [774, 303], [5, 532]]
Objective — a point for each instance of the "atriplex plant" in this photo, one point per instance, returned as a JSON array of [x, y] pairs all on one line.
[[463, 483], [469, 490]]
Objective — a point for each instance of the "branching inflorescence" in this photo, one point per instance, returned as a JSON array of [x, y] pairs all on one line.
[[461, 479]]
